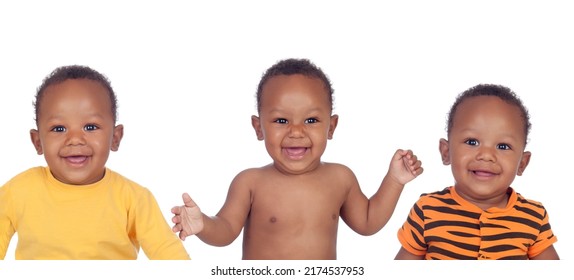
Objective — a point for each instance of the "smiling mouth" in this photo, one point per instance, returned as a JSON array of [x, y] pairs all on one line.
[[295, 152], [76, 159], [482, 173]]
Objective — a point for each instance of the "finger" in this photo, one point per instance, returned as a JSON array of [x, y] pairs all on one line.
[[408, 162], [188, 201], [182, 236], [408, 153], [176, 210], [176, 219], [416, 168], [414, 162], [176, 228], [419, 171], [417, 165], [399, 154]]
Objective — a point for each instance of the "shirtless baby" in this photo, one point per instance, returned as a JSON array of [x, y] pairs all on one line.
[[290, 208]]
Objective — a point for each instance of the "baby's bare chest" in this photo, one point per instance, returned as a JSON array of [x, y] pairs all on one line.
[[296, 206]]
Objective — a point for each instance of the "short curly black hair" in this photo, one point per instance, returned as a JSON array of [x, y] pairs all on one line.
[[499, 91], [63, 73], [293, 66]]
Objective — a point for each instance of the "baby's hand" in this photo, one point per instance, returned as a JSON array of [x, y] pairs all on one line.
[[188, 218], [405, 166]]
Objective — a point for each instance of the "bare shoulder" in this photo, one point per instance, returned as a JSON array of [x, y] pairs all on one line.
[[251, 177], [336, 165], [338, 170], [253, 173], [339, 174]]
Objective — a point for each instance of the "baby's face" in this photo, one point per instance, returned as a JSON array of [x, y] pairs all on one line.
[[486, 147], [295, 121], [76, 131]]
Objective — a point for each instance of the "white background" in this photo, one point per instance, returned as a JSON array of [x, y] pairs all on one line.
[[185, 74]]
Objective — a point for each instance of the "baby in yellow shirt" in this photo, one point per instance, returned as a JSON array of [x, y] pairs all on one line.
[[76, 207]]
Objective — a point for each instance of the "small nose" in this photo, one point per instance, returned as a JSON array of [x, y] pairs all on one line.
[[75, 137], [297, 130], [486, 153]]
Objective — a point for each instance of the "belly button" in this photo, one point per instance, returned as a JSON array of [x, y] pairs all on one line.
[[273, 220]]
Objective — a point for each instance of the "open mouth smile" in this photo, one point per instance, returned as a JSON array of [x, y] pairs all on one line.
[[295, 152]]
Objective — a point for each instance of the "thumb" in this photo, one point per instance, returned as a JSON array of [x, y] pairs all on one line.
[[187, 201]]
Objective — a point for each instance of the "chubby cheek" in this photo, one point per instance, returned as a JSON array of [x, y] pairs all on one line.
[[101, 146], [272, 144], [459, 164], [319, 135], [273, 136], [50, 149], [320, 139], [461, 156], [456, 172], [101, 143]]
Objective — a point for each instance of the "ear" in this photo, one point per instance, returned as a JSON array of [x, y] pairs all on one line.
[[332, 125], [35, 137], [117, 136], [523, 163], [444, 151], [256, 123]]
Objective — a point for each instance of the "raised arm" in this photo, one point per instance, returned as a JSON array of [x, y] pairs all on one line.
[[368, 216], [221, 229]]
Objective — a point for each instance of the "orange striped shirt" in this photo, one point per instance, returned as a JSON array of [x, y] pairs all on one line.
[[442, 225]]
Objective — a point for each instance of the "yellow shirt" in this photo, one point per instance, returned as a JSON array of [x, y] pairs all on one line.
[[109, 219]]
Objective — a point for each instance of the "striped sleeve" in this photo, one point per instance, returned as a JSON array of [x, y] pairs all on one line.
[[411, 234], [545, 237]]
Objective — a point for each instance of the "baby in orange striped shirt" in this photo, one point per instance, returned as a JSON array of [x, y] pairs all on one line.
[[481, 216]]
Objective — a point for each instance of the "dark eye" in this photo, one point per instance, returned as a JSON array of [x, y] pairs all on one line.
[[472, 142], [89, 127], [503, 146], [58, 128], [311, 120], [280, 121]]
